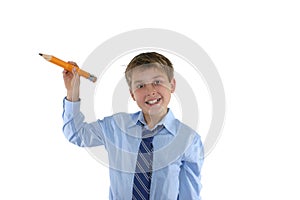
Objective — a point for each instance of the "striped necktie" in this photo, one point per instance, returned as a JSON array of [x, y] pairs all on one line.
[[143, 170]]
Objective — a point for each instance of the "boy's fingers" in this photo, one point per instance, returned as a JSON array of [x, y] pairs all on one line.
[[73, 63], [65, 73]]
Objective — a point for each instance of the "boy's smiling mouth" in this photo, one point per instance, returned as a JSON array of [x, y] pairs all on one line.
[[153, 102]]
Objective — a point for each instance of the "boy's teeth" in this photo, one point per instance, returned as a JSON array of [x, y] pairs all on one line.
[[153, 101]]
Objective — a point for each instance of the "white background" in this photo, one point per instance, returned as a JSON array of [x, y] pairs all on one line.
[[254, 45]]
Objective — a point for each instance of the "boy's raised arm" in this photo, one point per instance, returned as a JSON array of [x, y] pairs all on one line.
[[74, 128], [72, 83]]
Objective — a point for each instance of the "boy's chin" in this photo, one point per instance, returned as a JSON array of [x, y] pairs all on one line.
[[156, 110]]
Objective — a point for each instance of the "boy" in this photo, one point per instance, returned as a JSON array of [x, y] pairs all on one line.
[[152, 155]]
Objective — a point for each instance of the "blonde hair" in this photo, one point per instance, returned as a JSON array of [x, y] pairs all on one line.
[[148, 60]]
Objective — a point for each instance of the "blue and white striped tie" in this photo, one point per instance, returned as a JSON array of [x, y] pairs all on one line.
[[143, 170]]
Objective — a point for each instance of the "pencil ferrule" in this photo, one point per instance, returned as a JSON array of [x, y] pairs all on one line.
[[92, 78]]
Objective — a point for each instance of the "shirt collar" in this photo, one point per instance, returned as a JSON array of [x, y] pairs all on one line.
[[169, 121]]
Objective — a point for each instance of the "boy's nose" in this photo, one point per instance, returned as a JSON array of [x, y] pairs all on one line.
[[150, 89]]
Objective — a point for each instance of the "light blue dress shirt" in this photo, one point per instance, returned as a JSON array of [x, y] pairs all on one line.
[[177, 159]]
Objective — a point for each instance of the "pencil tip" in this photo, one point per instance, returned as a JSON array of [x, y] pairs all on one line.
[[40, 54]]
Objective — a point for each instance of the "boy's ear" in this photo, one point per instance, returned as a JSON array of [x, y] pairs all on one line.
[[173, 85], [131, 94]]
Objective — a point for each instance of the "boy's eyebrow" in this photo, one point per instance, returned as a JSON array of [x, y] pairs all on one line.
[[140, 81], [158, 76]]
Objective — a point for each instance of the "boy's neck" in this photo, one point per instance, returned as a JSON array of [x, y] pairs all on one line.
[[152, 120]]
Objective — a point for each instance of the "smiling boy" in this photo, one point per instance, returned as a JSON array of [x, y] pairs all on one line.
[[152, 155]]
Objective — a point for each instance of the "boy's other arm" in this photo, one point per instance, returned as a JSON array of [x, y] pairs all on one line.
[[190, 173]]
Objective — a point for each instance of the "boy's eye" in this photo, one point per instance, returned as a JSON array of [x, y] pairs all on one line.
[[157, 82], [140, 86]]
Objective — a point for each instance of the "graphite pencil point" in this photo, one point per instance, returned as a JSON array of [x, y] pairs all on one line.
[[40, 54]]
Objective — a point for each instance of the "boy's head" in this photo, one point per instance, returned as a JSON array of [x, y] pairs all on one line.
[[148, 60], [150, 77]]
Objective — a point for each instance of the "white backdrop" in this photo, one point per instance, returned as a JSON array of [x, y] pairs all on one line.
[[254, 45]]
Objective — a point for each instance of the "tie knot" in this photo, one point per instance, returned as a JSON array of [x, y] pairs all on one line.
[[147, 134]]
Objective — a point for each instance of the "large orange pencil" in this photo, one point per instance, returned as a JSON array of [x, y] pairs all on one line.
[[69, 67]]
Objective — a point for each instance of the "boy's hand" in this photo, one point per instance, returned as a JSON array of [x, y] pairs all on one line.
[[72, 83]]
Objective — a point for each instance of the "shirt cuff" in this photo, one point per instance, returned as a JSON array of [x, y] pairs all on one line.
[[71, 108]]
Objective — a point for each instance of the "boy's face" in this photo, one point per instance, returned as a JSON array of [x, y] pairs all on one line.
[[151, 90]]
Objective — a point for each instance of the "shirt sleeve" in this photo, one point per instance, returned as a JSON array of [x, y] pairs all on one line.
[[190, 173], [76, 130]]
